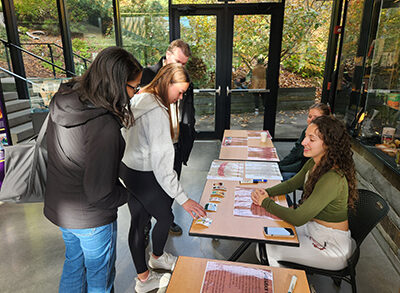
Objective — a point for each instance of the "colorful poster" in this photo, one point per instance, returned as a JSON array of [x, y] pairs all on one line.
[[4, 139], [264, 154], [231, 278], [244, 206], [226, 170]]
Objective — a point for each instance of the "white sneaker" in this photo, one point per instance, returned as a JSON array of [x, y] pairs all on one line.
[[154, 281], [166, 261]]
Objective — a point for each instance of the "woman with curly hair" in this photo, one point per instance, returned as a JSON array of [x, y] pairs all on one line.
[[329, 183]]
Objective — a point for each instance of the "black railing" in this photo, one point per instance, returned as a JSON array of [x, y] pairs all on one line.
[[16, 75], [8, 45], [49, 46]]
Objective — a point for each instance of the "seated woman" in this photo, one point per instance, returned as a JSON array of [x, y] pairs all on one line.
[[295, 160], [329, 190], [147, 170]]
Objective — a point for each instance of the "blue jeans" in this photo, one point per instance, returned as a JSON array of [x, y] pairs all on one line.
[[89, 259]]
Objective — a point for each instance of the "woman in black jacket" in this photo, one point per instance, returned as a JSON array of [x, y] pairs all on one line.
[[85, 148]]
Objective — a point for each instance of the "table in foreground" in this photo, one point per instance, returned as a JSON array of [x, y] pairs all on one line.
[[189, 272]]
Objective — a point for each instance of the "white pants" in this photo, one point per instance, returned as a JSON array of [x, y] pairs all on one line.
[[320, 247]]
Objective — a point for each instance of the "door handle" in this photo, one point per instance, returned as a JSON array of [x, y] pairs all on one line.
[[218, 91]]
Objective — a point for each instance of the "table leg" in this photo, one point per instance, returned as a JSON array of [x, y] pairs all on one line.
[[263, 254], [242, 248]]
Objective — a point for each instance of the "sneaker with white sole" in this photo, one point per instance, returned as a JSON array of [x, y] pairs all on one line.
[[166, 261], [154, 281]]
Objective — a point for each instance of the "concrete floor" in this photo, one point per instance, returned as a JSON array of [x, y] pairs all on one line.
[[31, 248]]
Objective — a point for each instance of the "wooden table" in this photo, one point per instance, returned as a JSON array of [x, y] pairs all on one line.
[[241, 152], [248, 229], [189, 273]]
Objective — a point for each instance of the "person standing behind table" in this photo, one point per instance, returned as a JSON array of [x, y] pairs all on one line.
[[329, 184], [177, 52], [295, 160], [85, 148], [258, 81], [147, 169]]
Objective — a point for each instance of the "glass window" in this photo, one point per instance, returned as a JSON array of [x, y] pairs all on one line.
[[304, 42], [145, 29], [349, 59], [38, 25], [381, 127], [250, 55], [92, 29], [222, 1], [200, 32]]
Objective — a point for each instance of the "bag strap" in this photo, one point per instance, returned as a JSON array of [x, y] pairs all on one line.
[[42, 130]]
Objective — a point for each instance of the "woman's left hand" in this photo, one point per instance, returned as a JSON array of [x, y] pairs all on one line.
[[194, 209], [258, 196]]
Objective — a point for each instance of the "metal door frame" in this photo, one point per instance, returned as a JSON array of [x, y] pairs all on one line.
[[224, 44]]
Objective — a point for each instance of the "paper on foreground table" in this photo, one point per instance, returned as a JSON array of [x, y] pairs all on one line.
[[230, 278]]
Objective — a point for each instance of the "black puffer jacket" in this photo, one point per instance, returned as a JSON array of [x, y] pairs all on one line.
[[85, 148]]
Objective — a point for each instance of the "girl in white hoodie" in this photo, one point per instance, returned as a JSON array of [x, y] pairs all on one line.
[[148, 172]]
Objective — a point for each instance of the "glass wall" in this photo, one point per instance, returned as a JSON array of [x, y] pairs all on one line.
[[200, 32], [39, 33], [380, 131], [145, 29], [249, 67], [348, 60], [92, 29], [304, 42]]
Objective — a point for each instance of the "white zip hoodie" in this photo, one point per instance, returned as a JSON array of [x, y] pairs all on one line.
[[149, 144]]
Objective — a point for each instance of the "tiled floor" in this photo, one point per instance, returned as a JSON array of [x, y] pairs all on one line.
[[31, 248]]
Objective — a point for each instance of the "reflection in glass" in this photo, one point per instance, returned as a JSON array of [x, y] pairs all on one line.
[[349, 57], [200, 33], [383, 63], [92, 29], [145, 29]]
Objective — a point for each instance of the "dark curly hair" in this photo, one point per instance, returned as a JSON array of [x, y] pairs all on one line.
[[338, 156]]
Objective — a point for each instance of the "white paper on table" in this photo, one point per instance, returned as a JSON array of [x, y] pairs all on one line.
[[263, 170]]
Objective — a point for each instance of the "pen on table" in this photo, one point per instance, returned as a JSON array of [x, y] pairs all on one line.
[[292, 284], [259, 180]]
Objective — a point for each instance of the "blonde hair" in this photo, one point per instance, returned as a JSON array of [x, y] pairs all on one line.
[[167, 75]]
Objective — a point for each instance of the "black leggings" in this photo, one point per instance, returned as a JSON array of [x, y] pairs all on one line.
[[148, 200]]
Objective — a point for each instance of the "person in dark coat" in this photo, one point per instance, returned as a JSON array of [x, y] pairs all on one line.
[[178, 52], [85, 148], [295, 160]]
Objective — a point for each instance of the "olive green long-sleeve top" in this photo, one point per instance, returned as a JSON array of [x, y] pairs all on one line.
[[327, 202]]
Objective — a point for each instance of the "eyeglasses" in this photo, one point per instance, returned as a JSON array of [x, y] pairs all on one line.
[[135, 88]]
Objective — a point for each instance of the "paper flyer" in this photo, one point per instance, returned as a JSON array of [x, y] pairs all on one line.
[[231, 278], [244, 206], [265, 154], [226, 170], [263, 170], [257, 133]]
